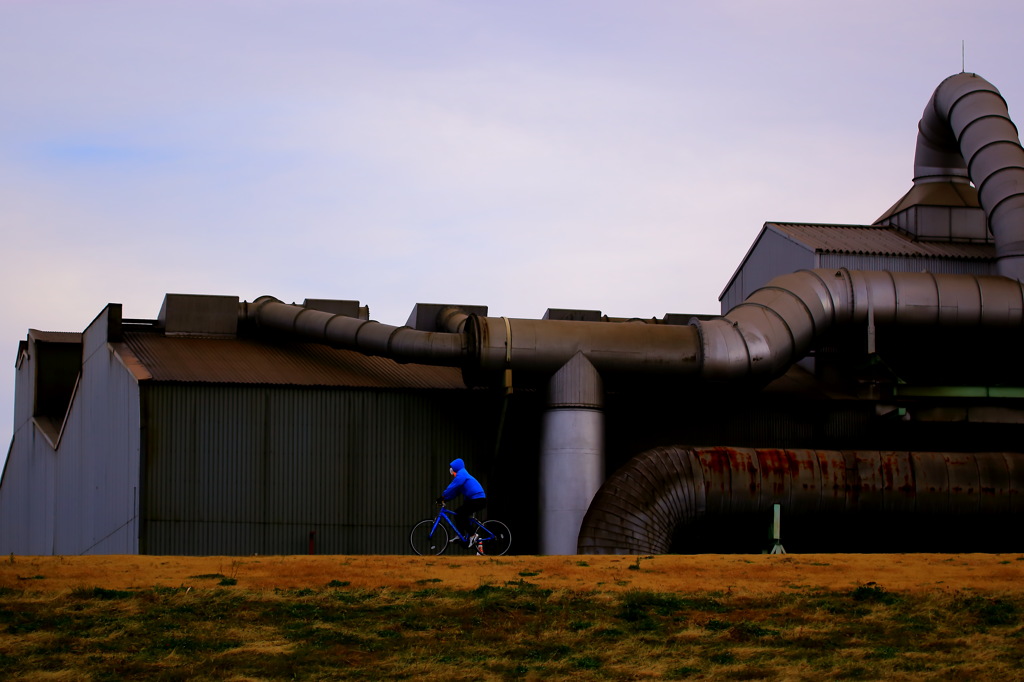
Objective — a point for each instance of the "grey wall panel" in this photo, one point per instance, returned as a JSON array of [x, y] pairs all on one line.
[[247, 470], [98, 456], [27, 493], [939, 266], [27, 496], [82, 497], [772, 255]]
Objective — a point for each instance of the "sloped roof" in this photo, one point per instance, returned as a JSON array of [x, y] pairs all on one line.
[[877, 241], [151, 356], [55, 337], [952, 194]]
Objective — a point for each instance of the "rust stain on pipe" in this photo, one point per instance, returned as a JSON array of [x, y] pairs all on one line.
[[806, 482]]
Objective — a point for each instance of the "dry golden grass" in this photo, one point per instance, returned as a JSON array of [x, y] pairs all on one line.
[[741, 574], [791, 617]]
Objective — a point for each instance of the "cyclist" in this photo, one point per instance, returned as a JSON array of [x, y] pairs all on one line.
[[473, 496]]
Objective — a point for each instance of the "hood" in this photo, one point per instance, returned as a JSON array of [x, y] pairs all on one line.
[[457, 465]]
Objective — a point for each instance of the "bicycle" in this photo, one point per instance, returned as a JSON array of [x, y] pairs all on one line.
[[431, 536]]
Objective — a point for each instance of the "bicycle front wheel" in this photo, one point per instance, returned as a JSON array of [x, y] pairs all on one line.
[[501, 541], [425, 539]]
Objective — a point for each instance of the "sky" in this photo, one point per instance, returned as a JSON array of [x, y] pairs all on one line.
[[614, 156]]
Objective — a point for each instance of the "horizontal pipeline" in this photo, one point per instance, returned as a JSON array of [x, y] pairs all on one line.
[[639, 509], [758, 340]]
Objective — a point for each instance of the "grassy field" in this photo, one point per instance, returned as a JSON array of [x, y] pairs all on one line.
[[793, 617]]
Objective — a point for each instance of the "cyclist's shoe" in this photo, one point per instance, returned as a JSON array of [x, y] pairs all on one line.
[[472, 540]]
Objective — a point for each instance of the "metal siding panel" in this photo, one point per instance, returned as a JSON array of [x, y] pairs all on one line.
[[79, 499], [259, 468], [774, 255], [97, 465], [26, 504], [939, 266]]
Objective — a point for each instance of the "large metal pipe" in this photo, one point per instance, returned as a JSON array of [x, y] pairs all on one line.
[[402, 344], [539, 348], [571, 454], [778, 324], [758, 340], [966, 132], [658, 494]]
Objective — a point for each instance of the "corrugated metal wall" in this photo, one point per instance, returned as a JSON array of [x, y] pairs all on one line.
[[26, 499], [939, 266], [241, 470], [771, 255], [81, 498]]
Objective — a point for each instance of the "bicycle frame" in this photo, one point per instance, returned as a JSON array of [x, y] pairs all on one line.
[[432, 536], [449, 517]]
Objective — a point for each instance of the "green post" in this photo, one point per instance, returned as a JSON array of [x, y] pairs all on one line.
[[776, 532]]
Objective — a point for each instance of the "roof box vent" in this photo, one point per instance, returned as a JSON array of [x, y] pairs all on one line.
[[199, 315]]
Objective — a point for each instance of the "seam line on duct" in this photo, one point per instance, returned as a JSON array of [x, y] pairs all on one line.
[[832, 314], [994, 172], [967, 126], [508, 342], [803, 304], [780, 318], [355, 336], [895, 296], [327, 322], [992, 212], [391, 337], [295, 320]]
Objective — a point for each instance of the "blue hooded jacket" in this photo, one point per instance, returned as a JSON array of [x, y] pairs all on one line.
[[463, 484]]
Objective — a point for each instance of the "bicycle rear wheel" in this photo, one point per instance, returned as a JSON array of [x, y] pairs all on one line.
[[501, 541], [425, 542]]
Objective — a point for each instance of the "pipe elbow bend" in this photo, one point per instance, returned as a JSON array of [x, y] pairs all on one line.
[[732, 351]]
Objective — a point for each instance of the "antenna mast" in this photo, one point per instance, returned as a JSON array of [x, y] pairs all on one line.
[[962, 57]]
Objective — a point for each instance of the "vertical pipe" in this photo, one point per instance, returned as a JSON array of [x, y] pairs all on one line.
[[966, 131], [571, 454]]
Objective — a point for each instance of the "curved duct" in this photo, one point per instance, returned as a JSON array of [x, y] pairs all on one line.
[[777, 325], [756, 341], [402, 344], [966, 132], [661, 492]]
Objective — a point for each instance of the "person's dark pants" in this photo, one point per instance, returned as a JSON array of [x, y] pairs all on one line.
[[465, 510]]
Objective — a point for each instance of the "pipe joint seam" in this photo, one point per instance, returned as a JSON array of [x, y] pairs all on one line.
[[770, 350], [304, 311]]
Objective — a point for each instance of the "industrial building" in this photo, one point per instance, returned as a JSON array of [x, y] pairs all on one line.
[[864, 378]]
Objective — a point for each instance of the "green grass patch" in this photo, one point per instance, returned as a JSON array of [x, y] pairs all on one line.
[[512, 630]]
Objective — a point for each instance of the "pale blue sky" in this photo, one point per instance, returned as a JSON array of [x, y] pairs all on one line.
[[618, 156]]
